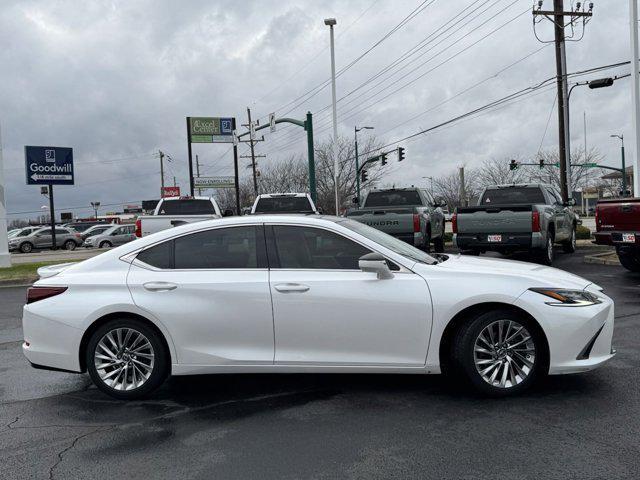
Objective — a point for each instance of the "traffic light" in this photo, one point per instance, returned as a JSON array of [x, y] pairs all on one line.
[[364, 176], [383, 157], [400, 154], [541, 163], [513, 165]]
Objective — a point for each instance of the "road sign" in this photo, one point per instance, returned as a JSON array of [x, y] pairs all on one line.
[[590, 165], [272, 122], [171, 192], [214, 182], [49, 165], [211, 129]]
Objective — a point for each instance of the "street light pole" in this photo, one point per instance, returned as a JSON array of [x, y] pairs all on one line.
[[5, 258], [635, 92], [356, 130], [624, 168], [331, 22]]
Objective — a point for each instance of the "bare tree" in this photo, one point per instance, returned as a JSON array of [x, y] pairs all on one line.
[[496, 171], [447, 188], [581, 176]]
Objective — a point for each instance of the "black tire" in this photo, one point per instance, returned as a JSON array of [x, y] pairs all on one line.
[[70, 245], [26, 247], [463, 353], [160, 369], [438, 244], [546, 255], [105, 244], [630, 260], [427, 241], [570, 245]]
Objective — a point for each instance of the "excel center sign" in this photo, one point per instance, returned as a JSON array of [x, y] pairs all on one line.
[[210, 129]]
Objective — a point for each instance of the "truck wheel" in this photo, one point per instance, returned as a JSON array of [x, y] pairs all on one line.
[[26, 247], [629, 260], [438, 244], [546, 254], [570, 245], [427, 242]]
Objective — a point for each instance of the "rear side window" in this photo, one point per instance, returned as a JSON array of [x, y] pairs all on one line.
[[187, 207], [513, 195], [283, 204], [393, 198], [62, 231], [159, 256]]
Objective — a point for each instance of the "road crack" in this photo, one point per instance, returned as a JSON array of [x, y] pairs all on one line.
[[73, 444]]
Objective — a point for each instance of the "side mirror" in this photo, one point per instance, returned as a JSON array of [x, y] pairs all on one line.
[[227, 213], [376, 263]]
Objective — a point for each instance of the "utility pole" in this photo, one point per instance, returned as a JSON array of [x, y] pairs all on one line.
[[5, 257], [463, 190], [635, 92], [253, 155], [161, 153], [198, 173], [624, 167], [557, 17], [174, 181], [331, 22]]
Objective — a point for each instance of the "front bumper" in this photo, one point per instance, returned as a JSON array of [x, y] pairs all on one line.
[[510, 241], [569, 330]]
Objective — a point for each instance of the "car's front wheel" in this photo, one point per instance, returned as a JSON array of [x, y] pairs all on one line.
[[500, 353], [105, 244], [126, 359], [26, 247]]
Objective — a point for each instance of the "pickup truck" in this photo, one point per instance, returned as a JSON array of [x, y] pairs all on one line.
[[509, 218], [618, 224], [410, 214], [283, 203], [173, 211]]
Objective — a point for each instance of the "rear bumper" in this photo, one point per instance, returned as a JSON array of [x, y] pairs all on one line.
[[510, 241], [615, 238]]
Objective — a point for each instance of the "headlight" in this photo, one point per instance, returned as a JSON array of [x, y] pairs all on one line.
[[568, 298]]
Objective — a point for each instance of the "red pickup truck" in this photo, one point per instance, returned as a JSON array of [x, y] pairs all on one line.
[[618, 224]]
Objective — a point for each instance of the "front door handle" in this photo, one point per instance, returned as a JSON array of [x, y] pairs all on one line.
[[159, 286], [291, 287]]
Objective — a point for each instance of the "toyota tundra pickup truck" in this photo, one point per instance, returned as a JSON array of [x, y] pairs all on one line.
[[174, 211], [508, 218], [618, 224], [410, 214]]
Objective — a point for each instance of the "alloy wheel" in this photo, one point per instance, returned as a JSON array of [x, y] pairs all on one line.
[[504, 353], [124, 359]]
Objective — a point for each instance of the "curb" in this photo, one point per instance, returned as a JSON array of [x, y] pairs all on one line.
[[19, 282], [605, 258]]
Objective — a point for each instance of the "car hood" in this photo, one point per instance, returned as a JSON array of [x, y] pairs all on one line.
[[532, 274]]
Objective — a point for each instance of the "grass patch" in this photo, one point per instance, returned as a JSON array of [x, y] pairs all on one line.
[[24, 271], [583, 233]]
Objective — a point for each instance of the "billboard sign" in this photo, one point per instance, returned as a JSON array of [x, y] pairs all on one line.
[[211, 129], [214, 182], [48, 165], [170, 192]]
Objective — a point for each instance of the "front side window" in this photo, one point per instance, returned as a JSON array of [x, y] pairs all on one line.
[[314, 248], [234, 247]]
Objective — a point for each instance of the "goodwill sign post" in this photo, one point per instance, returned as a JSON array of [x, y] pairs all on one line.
[[49, 166]]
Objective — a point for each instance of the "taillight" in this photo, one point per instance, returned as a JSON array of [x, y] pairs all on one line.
[[40, 293], [535, 221], [454, 223], [78, 235], [597, 219], [416, 223], [139, 228]]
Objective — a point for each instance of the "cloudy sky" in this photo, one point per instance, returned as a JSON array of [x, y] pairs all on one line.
[[116, 79]]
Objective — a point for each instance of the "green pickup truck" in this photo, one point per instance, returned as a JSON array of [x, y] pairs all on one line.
[[409, 214], [530, 217]]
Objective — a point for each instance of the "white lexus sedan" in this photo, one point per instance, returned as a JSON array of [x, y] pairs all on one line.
[[309, 294]]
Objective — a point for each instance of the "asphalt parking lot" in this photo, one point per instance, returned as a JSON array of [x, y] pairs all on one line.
[[56, 425]]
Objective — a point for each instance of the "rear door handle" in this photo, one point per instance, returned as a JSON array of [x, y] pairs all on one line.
[[159, 286], [291, 287]]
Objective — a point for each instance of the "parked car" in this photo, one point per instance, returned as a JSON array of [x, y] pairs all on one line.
[[337, 295], [175, 211], [410, 214], [23, 232], [41, 238], [112, 237], [618, 224], [82, 226], [508, 218], [95, 230], [284, 203]]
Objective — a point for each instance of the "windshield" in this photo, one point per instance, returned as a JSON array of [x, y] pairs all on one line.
[[283, 205], [512, 195], [187, 207], [393, 198], [387, 241]]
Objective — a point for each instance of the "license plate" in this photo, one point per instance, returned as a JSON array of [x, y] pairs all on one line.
[[629, 237], [494, 238]]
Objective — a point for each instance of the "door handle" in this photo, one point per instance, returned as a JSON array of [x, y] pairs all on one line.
[[291, 287], [159, 286]]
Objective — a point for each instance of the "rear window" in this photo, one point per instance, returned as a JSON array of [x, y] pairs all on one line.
[[393, 198], [513, 195], [187, 207], [283, 204]]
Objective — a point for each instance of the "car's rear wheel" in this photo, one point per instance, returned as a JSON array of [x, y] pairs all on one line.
[[26, 247], [570, 245], [126, 359], [70, 245], [500, 353], [105, 244]]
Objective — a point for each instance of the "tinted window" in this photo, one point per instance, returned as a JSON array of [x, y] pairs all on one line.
[[393, 198], [186, 207], [159, 256], [46, 231], [283, 204], [62, 231], [512, 195], [315, 248], [235, 247]]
